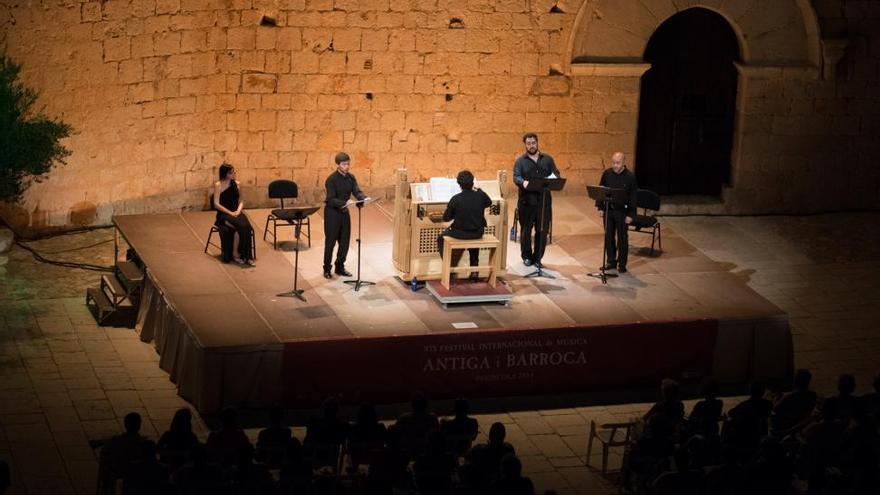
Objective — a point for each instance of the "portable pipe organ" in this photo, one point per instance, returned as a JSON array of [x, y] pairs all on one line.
[[418, 220]]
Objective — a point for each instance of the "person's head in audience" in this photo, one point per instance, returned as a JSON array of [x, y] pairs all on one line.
[[435, 444], [331, 408], [802, 380], [132, 423], [669, 390], [756, 390], [366, 415], [708, 388], [461, 408], [419, 403], [511, 467], [276, 416], [497, 432], [229, 419], [846, 385], [181, 423]]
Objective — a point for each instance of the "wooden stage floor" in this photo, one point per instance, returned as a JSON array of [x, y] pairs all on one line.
[[229, 309]]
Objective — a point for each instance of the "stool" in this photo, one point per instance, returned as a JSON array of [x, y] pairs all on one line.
[[216, 228], [488, 241]]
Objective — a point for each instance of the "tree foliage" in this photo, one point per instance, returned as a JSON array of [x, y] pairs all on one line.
[[29, 140]]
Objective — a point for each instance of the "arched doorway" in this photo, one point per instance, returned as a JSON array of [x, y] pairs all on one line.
[[687, 105]]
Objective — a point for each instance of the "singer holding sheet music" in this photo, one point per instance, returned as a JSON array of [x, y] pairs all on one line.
[[533, 165], [340, 186], [619, 216]]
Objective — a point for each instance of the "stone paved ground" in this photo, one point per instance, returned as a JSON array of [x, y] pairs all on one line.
[[64, 380]]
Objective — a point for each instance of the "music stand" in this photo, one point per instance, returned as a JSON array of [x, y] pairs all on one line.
[[357, 283], [543, 185], [607, 195], [299, 214]]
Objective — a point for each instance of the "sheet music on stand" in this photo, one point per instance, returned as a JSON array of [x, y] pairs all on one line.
[[443, 188]]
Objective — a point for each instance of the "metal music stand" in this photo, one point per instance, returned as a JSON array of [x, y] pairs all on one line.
[[607, 195], [543, 185], [299, 214], [357, 283]]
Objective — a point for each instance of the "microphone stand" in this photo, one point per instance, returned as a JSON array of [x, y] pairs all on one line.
[[358, 283]]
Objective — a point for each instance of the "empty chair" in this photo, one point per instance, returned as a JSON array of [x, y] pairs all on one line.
[[648, 201], [282, 189]]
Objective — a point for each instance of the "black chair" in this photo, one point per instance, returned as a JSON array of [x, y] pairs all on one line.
[[226, 234], [285, 189], [648, 201]]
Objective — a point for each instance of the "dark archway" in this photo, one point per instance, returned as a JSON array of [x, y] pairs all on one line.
[[687, 105]]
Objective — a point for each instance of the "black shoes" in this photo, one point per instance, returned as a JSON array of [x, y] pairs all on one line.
[[527, 262], [610, 266], [343, 272], [475, 276], [622, 269], [327, 274]]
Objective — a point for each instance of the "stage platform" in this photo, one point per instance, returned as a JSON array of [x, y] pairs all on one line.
[[226, 339]]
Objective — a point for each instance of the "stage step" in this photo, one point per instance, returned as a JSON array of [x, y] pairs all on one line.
[[105, 313], [115, 292], [130, 275]]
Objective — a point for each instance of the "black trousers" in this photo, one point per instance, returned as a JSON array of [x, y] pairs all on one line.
[[242, 226], [529, 216], [473, 253], [617, 252], [337, 229]]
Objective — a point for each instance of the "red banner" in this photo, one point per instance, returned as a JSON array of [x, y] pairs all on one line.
[[496, 363]]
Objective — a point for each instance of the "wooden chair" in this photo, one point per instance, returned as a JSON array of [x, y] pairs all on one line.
[[450, 244], [609, 435]]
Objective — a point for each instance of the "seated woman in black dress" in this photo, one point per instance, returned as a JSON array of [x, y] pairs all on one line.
[[227, 202]]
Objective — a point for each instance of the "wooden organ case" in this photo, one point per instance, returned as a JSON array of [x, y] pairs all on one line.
[[418, 220]]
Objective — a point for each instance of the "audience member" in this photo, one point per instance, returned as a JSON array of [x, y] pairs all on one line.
[[844, 400], [748, 421], [461, 430], [707, 409], [226, 444], [794, 409], [5, 477], [327, 429], [388, 466], [485, 459], [146, 476], [296, 473], [872, 401], [822, 443], [770, 472], [174, 445], [121, 451], [434, 468], [415, 425], [669, 411], [250, 478], [365, 434], [510, 480], [272, 441]]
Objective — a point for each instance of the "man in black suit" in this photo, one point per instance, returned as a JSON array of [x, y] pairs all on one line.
[[533, 165], [340, 186], [619, 216]]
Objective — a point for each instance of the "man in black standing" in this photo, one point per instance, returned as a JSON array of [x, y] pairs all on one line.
[[341, 185], [533, 165], [619, 216], [466, 210]]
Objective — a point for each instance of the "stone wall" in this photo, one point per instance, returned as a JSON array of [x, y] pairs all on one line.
[[161, 91]]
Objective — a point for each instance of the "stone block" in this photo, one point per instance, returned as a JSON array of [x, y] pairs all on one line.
[[495, 64], [166, 43], [304, 62], [261, 120], [241, 38], [617, 122], [379, 141], [130, 71], [258, 83], [275, 102], [90, 12], [117, 49], [291, 83], [332, 102], [249, 141]]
